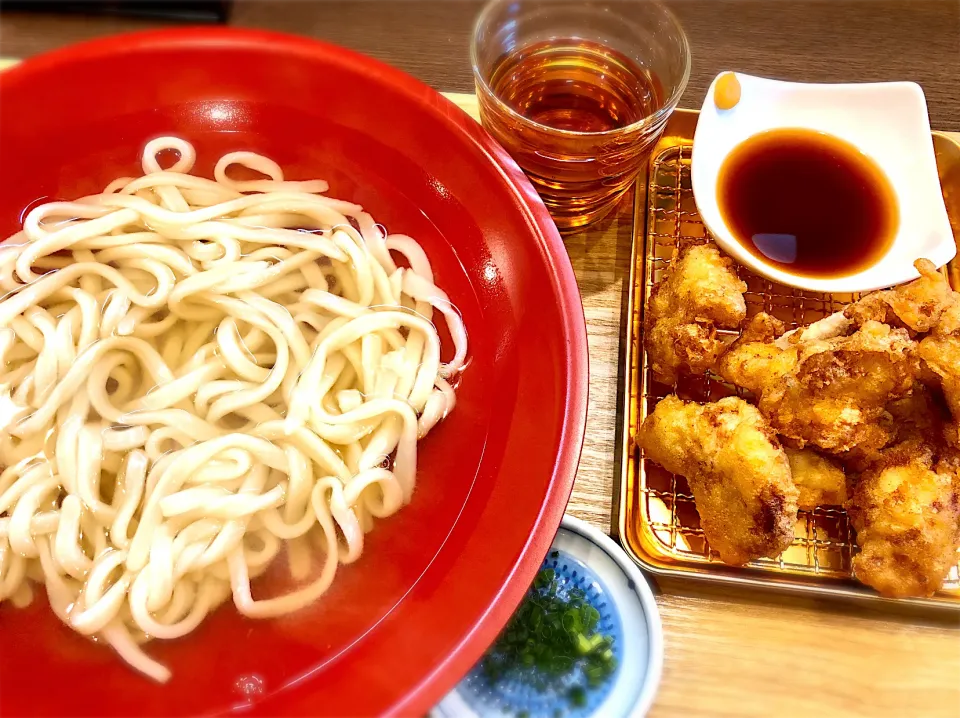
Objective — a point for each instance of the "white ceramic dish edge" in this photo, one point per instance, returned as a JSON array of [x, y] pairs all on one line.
[[641, 586], [887, 121], [580, 541]]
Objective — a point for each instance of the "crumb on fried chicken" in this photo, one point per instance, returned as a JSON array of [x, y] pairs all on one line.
[[700, 294], [819, 479], [906, 512]]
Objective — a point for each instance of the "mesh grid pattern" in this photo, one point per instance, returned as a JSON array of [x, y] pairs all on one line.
[[824, 545]]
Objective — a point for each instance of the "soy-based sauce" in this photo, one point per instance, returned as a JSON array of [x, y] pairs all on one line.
[[808, 203]]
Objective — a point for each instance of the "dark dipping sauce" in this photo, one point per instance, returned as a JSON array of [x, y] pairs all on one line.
[[808, 203]]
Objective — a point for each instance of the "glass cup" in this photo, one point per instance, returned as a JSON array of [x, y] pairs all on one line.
[[578, 92]]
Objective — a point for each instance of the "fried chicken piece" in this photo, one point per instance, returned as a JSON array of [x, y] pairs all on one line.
[[765, 351], [700, 294], [906, 512], [921, 415], [828, 384], [940, 352], [820, 480], [736, 468], [754, 357], [836, 396], [917, 305], [821, 386]]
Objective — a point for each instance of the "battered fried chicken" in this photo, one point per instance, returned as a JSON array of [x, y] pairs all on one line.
[[906, 505], [765, 351], [736, 468], [836, 396], [820, 480], [700, 294], [877, 388], [754, 359], [906, 511], [921, 415], [917, 305], [820, 386]]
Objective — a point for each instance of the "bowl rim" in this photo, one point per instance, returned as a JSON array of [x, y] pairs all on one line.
[[415, 699]]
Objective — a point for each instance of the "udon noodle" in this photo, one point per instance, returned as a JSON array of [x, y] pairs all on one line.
[[197, 375]]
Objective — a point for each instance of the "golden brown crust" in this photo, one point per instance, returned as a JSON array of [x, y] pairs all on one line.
[[753, 358], [736, 468], [919, 415], [906, 511], [820, 480], [823, 385], [940, 353], [700, 294], [834, 397], [917, 305]]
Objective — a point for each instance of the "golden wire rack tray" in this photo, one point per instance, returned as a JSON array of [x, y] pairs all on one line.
[[658, 521]]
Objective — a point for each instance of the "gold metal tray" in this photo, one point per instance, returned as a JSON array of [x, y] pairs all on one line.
[[658, 521]]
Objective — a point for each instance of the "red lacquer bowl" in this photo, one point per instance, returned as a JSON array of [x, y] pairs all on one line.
[[438, 580]]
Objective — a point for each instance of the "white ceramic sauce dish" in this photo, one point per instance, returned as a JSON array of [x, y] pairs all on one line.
[[887, 122]]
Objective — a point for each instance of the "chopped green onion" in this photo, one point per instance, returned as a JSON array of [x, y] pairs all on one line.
[[554, 632]]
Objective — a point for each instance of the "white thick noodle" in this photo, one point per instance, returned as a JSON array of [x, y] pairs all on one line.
[[196, 374]]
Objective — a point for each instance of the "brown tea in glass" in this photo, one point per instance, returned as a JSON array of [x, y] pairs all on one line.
[[579, 112]]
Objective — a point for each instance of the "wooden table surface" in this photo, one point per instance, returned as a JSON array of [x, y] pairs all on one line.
[[728, 652]]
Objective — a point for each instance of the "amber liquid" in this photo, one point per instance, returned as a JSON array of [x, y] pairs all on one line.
[[808, 203], [575, 85], [586, 100]]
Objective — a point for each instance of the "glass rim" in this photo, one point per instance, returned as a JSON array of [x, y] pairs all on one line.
[[667, 108]]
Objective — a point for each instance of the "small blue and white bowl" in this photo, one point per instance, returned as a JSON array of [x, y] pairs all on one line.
[[585, 558]]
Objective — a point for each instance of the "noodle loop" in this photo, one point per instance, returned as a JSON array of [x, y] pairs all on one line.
[[196, 374]]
